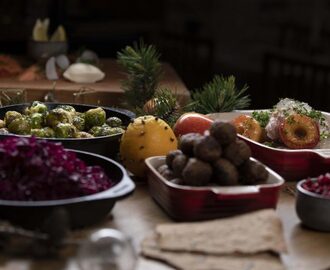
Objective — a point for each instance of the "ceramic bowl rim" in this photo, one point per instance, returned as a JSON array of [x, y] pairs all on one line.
[[309, 193]]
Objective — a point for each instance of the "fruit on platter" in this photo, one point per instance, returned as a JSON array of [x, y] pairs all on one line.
[[299, 131], [192, 122], [248, 127], [146, 136], [290, 124]]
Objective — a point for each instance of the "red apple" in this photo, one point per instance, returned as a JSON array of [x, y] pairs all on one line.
[[299, 131], [192, 123]]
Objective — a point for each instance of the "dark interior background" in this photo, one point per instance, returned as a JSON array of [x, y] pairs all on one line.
[[280, 48]]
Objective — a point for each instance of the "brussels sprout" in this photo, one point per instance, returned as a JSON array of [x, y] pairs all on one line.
[[114, 121], [57, 116], [10, 116], [49, 132], [4, 131], [105, 130], [37, 107], [65, 130], [116, 130], [83, 134], [37, 120], [96, 131], [95, 117], [20, 126], [79, 121], [67, 108], [46, 132], [2, 123], [37, 132]]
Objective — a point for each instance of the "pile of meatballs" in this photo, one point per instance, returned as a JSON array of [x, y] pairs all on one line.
[[216, 158]]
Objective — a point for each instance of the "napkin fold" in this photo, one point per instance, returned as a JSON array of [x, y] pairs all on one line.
[[247, 242]]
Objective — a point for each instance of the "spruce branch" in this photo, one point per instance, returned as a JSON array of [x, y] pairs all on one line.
[[219, 95], [164, 105], [143, 71]]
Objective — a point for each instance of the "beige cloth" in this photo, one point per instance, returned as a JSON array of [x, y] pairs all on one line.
[[195, 261], [248, 233], [241, 242]]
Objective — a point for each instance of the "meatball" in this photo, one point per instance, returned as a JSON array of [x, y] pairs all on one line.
[[167, 174], [207, 148], [178, 164], [196, 173], [224, 132], [225, 173], [170, 156], [237, 152], [253, 172], [187, 142]]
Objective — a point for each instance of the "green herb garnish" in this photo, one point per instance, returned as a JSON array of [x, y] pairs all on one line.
[[262, 117]]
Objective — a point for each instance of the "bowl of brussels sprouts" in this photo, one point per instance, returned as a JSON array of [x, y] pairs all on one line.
[[82, 127]]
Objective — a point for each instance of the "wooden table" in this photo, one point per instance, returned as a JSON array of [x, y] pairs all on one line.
[[138, 215], [107, 92]]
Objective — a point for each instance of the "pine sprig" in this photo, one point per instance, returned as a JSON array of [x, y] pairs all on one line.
[[143, 70], [167, 106], [219, 95], [163, 105]]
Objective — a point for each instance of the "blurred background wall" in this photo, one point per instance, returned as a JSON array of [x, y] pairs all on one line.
[[278, 47]]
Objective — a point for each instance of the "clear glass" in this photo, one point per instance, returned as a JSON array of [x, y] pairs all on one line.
[[86, 95], [106, 249], [12, 96]]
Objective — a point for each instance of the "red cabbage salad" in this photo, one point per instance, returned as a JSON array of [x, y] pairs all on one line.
[[38, 170]]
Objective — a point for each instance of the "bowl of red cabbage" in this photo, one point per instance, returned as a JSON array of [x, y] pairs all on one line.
[[37, 177]]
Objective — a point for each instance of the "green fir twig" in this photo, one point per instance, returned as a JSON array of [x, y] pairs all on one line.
[[163, 105], [143, 70], [219, 95]]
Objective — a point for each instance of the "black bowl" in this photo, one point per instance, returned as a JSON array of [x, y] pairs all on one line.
[[104, 145], [312, 209], [81, 211]]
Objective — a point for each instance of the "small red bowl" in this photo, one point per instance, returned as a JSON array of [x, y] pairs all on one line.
[[187, 203]]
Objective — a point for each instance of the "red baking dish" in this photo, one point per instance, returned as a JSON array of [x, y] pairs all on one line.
[[291, 164], [186, 203]]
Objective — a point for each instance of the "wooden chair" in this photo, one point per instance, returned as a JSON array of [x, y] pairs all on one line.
[[295, 77]]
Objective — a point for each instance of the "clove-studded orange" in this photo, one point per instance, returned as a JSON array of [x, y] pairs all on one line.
[[146, 136]]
